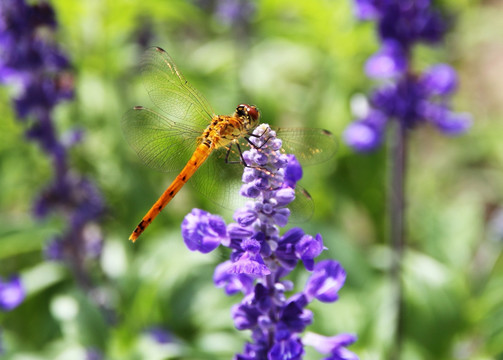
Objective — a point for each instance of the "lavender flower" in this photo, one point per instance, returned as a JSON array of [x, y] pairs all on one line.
[[261, 257], [30, 59], [409, 98], [12, 293]]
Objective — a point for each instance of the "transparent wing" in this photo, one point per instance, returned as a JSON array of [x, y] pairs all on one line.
[[310, 146], [219, 178], [302, 208], [162, 144], [170, 92]]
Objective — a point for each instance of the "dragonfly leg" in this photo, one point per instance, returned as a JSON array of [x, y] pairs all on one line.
[[242, 161], [258, 136]]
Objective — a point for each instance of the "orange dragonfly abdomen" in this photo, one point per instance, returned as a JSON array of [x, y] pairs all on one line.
[[198, 158]]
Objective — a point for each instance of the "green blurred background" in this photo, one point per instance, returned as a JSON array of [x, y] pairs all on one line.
[[301, 63]]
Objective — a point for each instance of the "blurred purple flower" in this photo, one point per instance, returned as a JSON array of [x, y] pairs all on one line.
[[410, 99], [12, 293], [159, 335], [260, 257], [33, 61]]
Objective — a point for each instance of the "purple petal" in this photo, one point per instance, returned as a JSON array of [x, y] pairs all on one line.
[[232, 283], [292, 236], [249, 190], [334, 345], [440, 79], [249, 264], [290, 349], [293, 171], [285, 196], [327, 278], [362, 137], [203, 231], [389, 61], [244, 316], [308, 248], [454, 123], [365, 9], [245, 216], [12, 293], [238, 232], [280, 217]]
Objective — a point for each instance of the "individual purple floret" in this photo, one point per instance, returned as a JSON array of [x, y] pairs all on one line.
[[335, 346], [261, 257], [12, 293], [409, 98]]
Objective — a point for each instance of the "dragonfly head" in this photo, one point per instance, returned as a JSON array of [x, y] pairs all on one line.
[[249, 114]]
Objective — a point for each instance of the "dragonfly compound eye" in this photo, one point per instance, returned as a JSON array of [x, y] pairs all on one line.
[[250, 111], [253, 112]]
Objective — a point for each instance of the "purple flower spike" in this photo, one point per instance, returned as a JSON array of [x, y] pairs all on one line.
[[32, 61], [12, 293], [326, 280], [409, 98], [202, 231], [260, 257]]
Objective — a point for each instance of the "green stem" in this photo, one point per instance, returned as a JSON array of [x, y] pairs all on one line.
[[398, 154]]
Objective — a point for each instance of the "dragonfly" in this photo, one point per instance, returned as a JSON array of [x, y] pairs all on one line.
[[183, 129]]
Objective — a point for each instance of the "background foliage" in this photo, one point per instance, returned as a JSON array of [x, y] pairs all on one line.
[[300, 62]]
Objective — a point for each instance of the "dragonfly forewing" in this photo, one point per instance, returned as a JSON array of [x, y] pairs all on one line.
[[160, 143], [171, 93], [310, 146]]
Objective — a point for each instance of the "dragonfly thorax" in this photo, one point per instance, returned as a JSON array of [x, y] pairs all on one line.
[[225, 129]]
